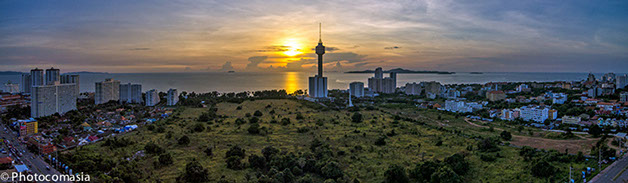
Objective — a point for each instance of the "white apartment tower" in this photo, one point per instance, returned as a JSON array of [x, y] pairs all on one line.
[[172, 97], [53, 98], [106, 91], [152, 97], [131, 93], [26, 83], [52, 75], [37, 77], [71, 78], [356, 89]]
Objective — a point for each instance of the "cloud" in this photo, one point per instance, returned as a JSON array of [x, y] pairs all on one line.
[[274, 48], [350, 57], [254, 62], [328, 49], [227, 66], [139, 49], [392, 47]]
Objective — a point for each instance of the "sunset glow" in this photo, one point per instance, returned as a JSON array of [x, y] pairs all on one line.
[[292, 48]]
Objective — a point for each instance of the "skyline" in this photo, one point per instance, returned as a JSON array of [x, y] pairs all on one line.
[[253, 36]]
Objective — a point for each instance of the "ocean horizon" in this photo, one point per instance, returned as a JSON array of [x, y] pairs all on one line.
[[201, 82]]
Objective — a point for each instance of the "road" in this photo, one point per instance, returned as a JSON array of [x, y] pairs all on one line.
[[608, 174], [36, 164]]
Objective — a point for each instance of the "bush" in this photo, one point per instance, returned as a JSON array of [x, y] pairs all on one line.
[[254, 129], [185, 140], [234, 163], [488, 145], [506, 135], [356, 117], [396, 174], [236, 151], [254, 120], [258, 113], [381, 141], [199, 127], [285, 121], [209, 151], [165, 159], [152, 148]]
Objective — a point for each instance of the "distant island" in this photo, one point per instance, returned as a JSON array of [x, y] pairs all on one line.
[[87, 72], [476, 73], [404, 71], [10, 73]]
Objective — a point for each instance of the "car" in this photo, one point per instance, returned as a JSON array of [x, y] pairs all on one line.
[[47, 168]]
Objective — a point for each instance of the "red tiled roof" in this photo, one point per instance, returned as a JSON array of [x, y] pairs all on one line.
[[6, 160]]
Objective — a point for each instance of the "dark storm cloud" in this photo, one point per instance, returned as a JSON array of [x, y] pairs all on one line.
[[328, 49], [254, 62], [391, 47]]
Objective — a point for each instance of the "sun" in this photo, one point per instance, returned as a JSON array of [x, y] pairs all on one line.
[[292, 47]]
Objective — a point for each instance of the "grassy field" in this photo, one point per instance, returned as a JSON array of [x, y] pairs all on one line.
[[412, 144]]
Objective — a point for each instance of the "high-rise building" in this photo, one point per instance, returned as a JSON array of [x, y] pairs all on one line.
[[54, 98], [380, 84], [356, 89], [318, 83], [413, 89], [37, 77], [152, 97], [71, 78], [379, 73], [591, 78], [26, 83], [131, 93], [173, 97], [621, 81], [52, 75], [106, 91]]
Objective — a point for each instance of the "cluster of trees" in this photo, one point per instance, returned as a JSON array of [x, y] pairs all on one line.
[[196, 99], [451, 170]]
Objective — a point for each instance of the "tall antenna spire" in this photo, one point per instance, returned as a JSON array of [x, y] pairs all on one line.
[[320, 40]]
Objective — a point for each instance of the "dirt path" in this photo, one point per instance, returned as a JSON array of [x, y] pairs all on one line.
[[572, 146]]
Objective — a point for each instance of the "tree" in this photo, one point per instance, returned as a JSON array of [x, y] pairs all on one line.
[[285, 121], [488, 145], [269, 152], [185, 140], [445, 175], [194, 172], [331, 170], [236, 151], [423, 171], [506, 135], [541, 168], [396, 174], [199, 127], [356, 117], [457, 163], [209, 151], [595, 130], [257, 161]]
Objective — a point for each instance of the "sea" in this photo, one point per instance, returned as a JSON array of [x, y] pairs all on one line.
[[201, 82]]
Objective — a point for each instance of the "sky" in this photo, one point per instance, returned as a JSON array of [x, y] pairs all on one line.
[[273, 36]]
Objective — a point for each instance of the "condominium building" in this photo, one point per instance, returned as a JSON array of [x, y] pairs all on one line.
[[11, 87], [356, 89], [413, 88], [52, 76], [461, 106], [383, 85], [71, 78], [623, 97], [621, 81], [574, 120], [131, 93], [106, 91], [26, 83], [173, 97], [495, 95], [534, 113], [37, 77], [54, 98], [152, 97]]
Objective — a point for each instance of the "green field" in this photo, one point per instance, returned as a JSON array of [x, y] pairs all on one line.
[[352, 144]]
